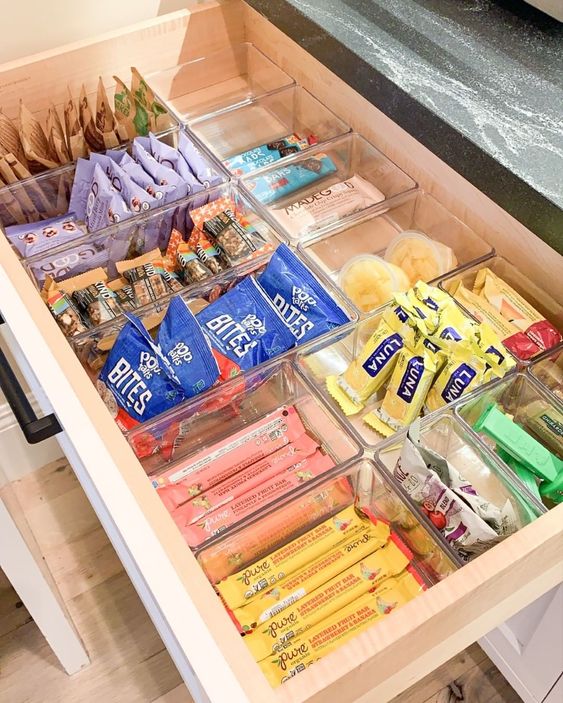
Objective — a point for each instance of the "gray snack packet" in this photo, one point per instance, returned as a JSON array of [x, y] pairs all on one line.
[[161, 174], [105, 206], [202, 170]]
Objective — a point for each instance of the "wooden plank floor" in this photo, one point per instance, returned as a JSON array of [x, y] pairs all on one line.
[[129, 662]]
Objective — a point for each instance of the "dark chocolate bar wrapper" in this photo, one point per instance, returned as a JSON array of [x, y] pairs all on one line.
[[98, 302]]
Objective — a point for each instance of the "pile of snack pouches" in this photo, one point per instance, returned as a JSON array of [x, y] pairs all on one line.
[[427, 351], [256, 320], [31, 147], [220, 237], [113, 187]]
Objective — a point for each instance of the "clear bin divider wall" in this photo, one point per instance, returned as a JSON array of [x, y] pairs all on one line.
[[547, 370], [218, 82], [434, 243], [289, 190], [264, 121]]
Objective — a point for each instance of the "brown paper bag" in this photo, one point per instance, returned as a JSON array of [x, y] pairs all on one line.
[[56, 135], [92, 134], [128, 112], [35, 143], [10, 139], [76, 144]]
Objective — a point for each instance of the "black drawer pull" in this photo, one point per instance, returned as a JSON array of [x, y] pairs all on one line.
[[35, 429]]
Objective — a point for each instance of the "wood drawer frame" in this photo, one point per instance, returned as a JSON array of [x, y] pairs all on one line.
[[396, 652]]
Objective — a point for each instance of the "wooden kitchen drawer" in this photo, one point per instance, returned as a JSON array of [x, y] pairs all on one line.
[[396, 652]]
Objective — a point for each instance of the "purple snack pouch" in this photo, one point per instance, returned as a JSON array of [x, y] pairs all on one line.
[[202, 170], [244, 326], [36, 237], [168, 156], [142, 178], [67, 263], [137, 375], [105, 206], [83, 175], [136, 198], [186, 348], [161, 175]]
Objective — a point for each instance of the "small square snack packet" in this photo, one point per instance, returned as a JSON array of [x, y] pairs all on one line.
[[306, 306], [245, 329]]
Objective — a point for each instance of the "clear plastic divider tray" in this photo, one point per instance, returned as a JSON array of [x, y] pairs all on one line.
[[219, 81], [284, 194], [545, 303], [453, 246], [521, 413], [48, 195], [446, 435], [265, 120], [547, 369]]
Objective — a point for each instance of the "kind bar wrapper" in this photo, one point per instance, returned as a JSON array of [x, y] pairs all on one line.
[[241, 587], [514, 308], [406, 392], [56, 136], [141, 273], [247, 546], [35, 143], [303, 582], [145, 97], [131, 116], [98, 302], [193, 270], [10, 141], [226, 458], [275, 489], [341, 627], [63, 309], [242, 482], [76, 143], [368, 573], [328, 205], [208, 253]]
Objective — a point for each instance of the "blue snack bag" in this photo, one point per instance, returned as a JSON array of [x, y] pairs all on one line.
[[281, 182], [136, 378], [303, 302], [186, 349], [244, 328]]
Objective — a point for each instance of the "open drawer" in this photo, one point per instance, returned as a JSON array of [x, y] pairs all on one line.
[[205, 646]]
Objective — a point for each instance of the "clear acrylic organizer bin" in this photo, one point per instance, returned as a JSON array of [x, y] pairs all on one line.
[[375, 234], [446, 435], [351, 155], [266, 119], [545, 302], [219, 81], [547, 369], [358, 482], [197, 426], [525, 401], [93, 346], [139, 235], [48, 195]]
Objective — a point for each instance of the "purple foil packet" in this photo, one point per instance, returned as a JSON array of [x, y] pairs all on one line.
[[136, 198], [162, 194], [36, 237], [168, 156], [105, 206], [83, 175], [162, 175], [202, 170]]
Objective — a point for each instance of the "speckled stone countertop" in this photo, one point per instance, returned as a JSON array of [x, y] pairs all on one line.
[[479, 82]]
